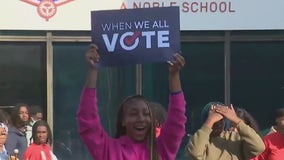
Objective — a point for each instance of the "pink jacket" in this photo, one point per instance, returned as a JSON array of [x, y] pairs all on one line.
[[103, 147]]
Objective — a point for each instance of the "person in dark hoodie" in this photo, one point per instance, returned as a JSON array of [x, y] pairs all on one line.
[[16, 136]]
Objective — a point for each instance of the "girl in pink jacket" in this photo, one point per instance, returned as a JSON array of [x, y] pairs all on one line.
[[135, 138]]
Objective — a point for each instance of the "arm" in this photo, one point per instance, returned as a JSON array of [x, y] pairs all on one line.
[[11, 143], [31, 153], [92, 58], [198, 143], [90, 128], [252, 142], [173, 129], [174, 77], [266, 152]]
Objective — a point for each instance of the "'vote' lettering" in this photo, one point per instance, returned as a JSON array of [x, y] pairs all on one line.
[[130, 40]]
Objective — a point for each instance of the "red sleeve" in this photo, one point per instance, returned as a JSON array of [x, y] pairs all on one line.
[[265, 153], [31, 153]]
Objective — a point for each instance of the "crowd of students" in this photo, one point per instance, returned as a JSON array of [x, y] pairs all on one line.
[[142, 136], [24, 135], [144, 130]]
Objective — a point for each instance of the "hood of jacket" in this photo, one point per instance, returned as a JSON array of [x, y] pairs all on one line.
[[16, 131]]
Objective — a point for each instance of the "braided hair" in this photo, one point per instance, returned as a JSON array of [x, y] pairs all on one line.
[[121, 130], [34, 132]]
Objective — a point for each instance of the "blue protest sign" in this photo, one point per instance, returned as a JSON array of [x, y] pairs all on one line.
[[136, 36]]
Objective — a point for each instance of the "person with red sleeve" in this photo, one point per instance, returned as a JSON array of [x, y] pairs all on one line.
[[42, 139], [274, 142]]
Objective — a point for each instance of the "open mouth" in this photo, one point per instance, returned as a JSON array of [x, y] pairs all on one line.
[[140, 130]]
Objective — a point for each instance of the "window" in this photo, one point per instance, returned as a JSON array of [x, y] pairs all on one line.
[[258, 79], [69, 71], [22, 74]]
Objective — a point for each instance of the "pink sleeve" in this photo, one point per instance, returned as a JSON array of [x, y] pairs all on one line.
[[173, 129], [90, 128]]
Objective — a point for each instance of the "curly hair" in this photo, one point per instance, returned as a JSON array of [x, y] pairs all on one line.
[[15, 114]]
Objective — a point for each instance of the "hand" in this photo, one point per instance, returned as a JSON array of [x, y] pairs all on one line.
[[213, 115], [228, 112], [92, 56], [177, 64], [174, 77], [13, 158]]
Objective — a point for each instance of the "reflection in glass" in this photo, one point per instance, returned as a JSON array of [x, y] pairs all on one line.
[[258, 78], [22, 74], [69, 77], [202, 81]]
